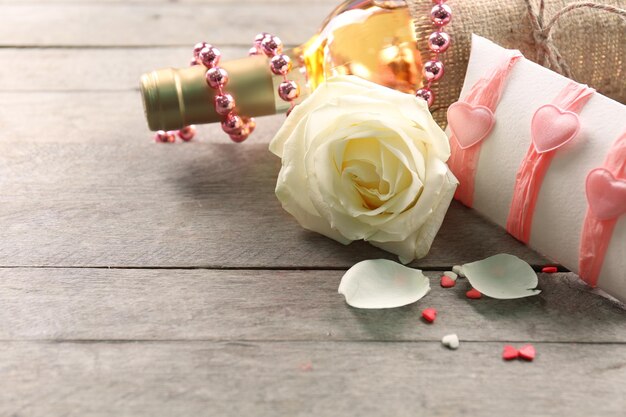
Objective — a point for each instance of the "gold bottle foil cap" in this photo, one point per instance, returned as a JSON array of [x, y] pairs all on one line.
[[174, 98]]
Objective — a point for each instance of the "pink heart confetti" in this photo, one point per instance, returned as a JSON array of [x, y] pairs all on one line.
[[447, 282], [509, 353], [470, 124], [429, 314], [527, 352], [552, 127], [474, 294], [606, 194]]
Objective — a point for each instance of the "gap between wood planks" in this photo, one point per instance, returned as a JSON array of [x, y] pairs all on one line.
[[435, 268], [253, 342]]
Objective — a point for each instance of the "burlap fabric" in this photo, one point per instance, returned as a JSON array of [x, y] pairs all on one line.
[[591, 42]]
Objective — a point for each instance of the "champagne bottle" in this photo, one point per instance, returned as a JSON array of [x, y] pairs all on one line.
[[371, 39]]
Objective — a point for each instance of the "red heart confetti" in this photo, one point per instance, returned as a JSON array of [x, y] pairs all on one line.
[[509, 353], [527, 352], [474, 294], [550, 269], [429, 314], [447, 282]]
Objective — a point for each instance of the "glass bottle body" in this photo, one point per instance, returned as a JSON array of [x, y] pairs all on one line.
[[374, 40]]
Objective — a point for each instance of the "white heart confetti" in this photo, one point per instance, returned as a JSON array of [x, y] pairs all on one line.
[[450, 341], [451, 275]]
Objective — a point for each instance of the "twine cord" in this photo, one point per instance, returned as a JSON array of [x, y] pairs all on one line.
[[548, 54]]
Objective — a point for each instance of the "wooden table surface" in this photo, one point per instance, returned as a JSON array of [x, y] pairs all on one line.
[[139, 279]]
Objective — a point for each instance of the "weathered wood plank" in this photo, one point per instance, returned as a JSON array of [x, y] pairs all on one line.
[[136, 24], [130, 202], [88, 304], [346, 379], [90, 69]]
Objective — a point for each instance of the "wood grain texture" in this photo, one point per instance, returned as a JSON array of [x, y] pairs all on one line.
[[136, 203], [90, 69], [101, 304], [81, 185], [117, 24], [347, 379]]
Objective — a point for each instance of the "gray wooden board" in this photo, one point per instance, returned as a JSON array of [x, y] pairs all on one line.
[[55, 23], [122, 304], [271, 379], [198, 204], [90, 69], [82, 185]]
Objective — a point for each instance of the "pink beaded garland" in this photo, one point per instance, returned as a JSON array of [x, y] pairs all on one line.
[[441, 14], [438, 43], [217, 77], [224, 104], [187, 133], [271, 45], [163, 136], [232, 124], [237, 127], [433, 70], [197, 48], [426, 94], [280, 64], [288, 90], [209, 56]]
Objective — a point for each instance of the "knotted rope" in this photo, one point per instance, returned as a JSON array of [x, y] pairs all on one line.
[[548, 54]]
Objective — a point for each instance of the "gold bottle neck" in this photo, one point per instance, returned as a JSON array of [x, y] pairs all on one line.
[[174, 98]]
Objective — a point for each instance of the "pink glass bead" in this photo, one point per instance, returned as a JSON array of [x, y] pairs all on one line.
[[187, 133], [426, 94], [209, 56], [441, 14], [280, 64], [289, 90], [240, 136], [259, 38], [165, 137], [224, 104], [253, 51], [217, 77], [439, 42], [198, 47], [433, 70], [271, 45], [193, 62], [232, 124]]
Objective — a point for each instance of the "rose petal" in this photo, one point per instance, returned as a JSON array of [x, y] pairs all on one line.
[[502, 276], [321, 94], [380, 283]]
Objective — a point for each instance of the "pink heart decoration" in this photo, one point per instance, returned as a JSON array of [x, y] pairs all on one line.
[[606, 194], [469, 123], [553, 127]]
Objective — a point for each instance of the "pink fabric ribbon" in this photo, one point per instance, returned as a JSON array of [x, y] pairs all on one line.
[[475, 111], [553, 126], [609, 202]]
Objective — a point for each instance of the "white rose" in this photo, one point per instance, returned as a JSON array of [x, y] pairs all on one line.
[[362, 161]]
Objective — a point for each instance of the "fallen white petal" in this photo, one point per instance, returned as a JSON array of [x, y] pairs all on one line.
[[380, 283], [458, 269], [502, 276], [450, 341], [453, 276]]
